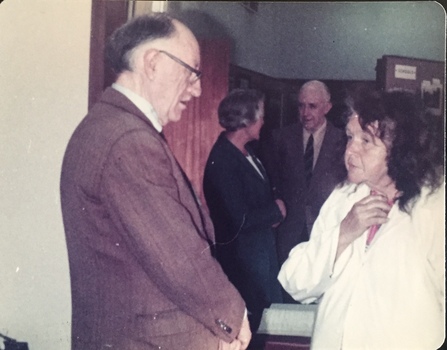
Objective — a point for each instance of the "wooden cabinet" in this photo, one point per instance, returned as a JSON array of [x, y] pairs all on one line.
[[278, 342]]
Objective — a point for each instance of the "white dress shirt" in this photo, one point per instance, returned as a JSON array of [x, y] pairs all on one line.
[[252, 162], [142, 104]]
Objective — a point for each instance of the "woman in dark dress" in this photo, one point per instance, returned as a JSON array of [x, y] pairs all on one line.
[[241, 204]]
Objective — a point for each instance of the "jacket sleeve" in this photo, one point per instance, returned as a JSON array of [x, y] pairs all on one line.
[[151, 205], [224, 188], [316, 257], [270, 156], [429, 219]]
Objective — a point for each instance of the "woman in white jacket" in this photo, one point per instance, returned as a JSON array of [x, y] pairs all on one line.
[[375, 259]]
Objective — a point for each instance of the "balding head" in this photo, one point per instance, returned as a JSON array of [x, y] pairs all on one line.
[[158, 58], [313, 104], [317, 88]]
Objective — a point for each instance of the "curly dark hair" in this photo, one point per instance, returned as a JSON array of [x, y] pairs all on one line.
[[130, 35], [413, 138], [238, 109]]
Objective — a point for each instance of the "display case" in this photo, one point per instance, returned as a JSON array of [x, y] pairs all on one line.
[[424, 77]]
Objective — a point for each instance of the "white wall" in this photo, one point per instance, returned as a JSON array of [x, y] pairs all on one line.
[[44, 56]]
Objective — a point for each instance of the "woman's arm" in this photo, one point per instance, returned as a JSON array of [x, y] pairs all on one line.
[[309, 269], [225, 192]]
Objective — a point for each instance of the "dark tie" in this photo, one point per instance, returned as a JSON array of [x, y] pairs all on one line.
[[309, 158]]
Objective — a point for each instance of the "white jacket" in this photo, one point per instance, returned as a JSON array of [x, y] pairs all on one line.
[[389, 297]]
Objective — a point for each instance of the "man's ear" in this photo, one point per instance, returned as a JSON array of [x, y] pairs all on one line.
[[150, 60], [328, 107]]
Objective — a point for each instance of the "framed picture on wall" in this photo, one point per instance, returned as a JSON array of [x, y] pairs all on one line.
[[420, 76]]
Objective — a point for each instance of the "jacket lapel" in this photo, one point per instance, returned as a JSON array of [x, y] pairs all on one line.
[[187, 194]]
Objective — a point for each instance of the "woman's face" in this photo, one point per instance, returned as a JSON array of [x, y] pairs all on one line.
[[366, 155], [254, 130]]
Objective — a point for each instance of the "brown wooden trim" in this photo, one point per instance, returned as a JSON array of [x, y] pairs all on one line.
[[107, 15]]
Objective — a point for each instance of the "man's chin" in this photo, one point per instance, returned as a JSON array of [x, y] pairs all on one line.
[[309, 127], [174, 117]]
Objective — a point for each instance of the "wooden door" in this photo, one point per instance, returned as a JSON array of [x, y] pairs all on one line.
[[192, 138], [107, 15]]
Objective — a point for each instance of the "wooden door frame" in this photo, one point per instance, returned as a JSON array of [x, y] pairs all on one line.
[[107, 15]]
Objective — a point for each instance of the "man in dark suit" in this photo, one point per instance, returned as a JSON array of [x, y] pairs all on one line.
[[142, 275], [303, 179]]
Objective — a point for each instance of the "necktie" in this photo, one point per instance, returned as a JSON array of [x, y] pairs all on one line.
[[309, 158]]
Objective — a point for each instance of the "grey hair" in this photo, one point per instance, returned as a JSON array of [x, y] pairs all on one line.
[[138, 31], [239, 109]]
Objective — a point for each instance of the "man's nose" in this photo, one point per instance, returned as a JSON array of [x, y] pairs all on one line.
[[304, 110], [196, 88]]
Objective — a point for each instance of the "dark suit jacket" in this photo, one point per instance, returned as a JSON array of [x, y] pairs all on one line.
[[283, 155], [243, 211], [142, 275]]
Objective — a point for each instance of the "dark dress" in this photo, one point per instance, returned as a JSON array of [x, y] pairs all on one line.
[[243, 211]]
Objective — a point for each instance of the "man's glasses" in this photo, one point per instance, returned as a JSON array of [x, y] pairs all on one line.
[[196, 72]]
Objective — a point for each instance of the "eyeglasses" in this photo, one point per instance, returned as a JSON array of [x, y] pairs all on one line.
[[197, 74]]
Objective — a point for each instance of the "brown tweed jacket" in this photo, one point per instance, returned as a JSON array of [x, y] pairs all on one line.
[[142, 275]]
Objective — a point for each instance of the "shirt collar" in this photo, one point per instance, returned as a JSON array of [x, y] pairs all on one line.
[[321, 130], [318, 134], [142, 104]]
